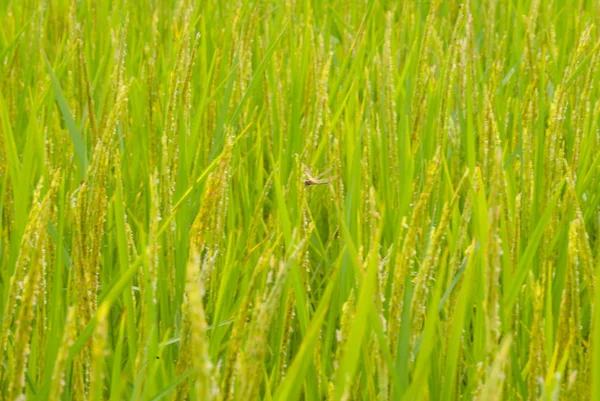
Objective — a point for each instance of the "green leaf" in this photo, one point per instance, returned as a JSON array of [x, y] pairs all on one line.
[[74, 131]]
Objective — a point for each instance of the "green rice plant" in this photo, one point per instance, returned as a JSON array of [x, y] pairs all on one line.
[[162, 235]]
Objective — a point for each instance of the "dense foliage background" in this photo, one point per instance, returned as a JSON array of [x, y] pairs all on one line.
[[160, 239]]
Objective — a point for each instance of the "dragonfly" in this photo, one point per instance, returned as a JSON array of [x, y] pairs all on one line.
[[311, 180]]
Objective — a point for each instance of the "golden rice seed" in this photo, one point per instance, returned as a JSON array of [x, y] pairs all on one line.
[[58, 374], [404, 258], [204, 386], [99, 352], [239, 327], [256, 345], [425, 273], [343, 332], [286, 340]]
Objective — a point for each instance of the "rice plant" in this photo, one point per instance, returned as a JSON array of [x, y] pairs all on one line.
[[299, 200]]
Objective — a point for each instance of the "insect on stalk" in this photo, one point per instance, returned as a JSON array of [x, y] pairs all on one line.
[[311, 180]]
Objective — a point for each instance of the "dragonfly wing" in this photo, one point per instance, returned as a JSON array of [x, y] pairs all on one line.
[[308, 173], [324, 174]]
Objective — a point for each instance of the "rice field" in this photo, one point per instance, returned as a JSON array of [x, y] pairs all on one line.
[[299, 200]]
